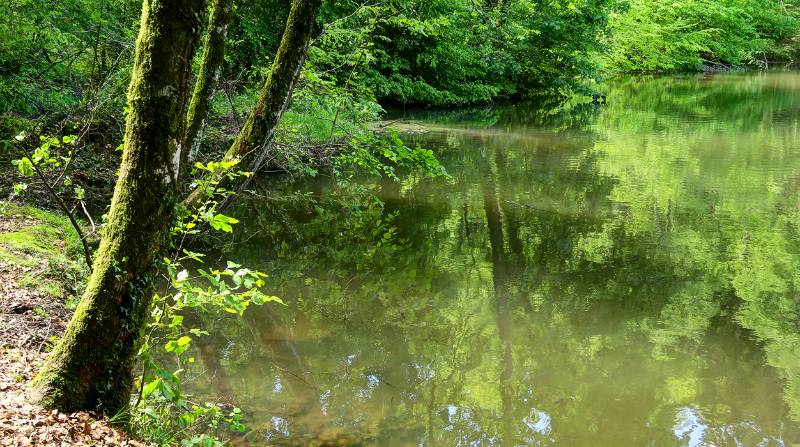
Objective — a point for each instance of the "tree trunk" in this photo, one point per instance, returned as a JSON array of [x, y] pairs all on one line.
[[252, 144], [208, 78], [90, 367]]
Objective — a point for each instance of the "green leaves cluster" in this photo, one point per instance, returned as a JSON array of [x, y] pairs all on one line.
[[193, 294], [50, 155], [232, 289], [658, 35], [383, 155]]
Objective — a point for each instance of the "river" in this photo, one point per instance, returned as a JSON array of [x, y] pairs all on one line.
[[625, 274]]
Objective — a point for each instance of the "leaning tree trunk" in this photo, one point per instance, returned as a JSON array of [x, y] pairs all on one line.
[[90, 367], [208, 77], [252, 144]]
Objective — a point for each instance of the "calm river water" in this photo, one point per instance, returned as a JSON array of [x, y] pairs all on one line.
[[622, 275]]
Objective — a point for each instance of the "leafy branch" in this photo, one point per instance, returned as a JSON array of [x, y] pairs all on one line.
[[29, 166]]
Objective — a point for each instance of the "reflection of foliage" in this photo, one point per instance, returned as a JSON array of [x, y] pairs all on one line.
[[640, 248], [731, 223]]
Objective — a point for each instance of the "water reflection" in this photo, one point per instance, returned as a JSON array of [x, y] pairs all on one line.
[[591, 277], [689, 428], [692, 431]]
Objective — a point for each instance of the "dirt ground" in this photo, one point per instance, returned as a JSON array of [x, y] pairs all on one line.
[[29, 319]]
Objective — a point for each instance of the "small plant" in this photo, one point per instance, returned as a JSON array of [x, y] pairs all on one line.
[[161, 410], [51, 155], [383, 156]]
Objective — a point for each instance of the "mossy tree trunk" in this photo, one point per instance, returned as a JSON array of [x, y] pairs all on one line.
[[90, 367], [208, 77], [252, 144]]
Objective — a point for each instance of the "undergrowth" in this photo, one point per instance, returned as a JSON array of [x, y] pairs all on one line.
[[32, 239]]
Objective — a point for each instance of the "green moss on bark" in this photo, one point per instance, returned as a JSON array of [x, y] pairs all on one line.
[[90, 367], [208, 77], [252, 144]]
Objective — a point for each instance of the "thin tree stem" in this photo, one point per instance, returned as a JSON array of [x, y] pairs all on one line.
[[86, 252]]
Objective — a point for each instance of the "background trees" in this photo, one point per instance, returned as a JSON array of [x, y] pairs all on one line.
[[682, 36], [74, 59]]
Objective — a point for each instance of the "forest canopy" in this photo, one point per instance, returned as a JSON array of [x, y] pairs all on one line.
[[59, 58]]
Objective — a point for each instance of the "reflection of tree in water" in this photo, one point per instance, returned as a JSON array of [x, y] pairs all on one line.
[[735, 238], [596, 288]]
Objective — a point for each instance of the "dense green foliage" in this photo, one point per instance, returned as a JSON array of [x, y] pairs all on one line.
[[448, 52], [72, 59], [59, 57], [658, 35]]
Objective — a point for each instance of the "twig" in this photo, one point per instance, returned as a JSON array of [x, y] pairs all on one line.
[[330, 24], [388, 123], [91, 221], [62, 205], [339, 103], [141, 386]]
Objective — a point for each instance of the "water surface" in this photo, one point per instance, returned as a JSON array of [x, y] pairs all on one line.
[[623, 275]]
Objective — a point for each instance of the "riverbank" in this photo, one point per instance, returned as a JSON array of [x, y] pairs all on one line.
[[41, 279]]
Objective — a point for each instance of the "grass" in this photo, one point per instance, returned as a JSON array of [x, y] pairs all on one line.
[[47, 249]]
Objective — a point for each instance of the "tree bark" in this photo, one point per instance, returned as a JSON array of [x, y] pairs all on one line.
[[252, 144], [90, 367], [208, 78]]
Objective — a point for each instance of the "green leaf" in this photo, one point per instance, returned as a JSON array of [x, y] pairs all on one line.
[[150, 387], [25, 167], [222, 222], [193, 255]]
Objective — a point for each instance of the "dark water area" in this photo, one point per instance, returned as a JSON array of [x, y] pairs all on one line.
[[622, 275]]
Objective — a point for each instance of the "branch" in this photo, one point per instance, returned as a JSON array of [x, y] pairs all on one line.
[[91, 221], [86, 253]]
